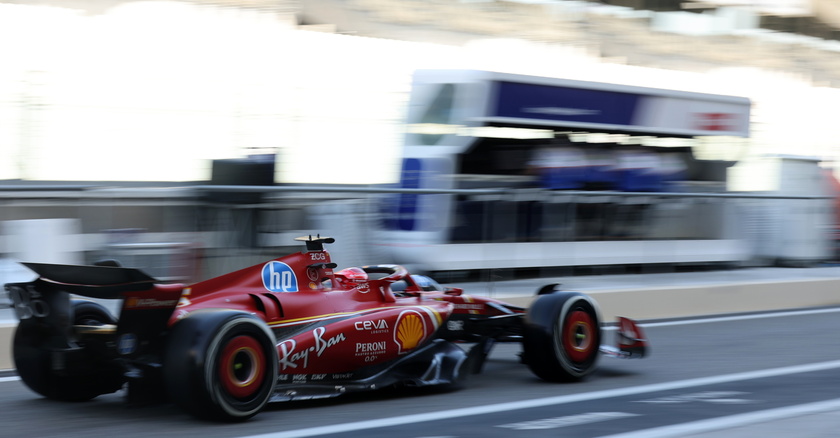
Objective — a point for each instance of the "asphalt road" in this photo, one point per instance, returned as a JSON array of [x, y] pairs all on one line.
[[715, 377]]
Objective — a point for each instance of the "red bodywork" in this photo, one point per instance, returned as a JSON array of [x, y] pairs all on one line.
[[323, 322], [214, 347]]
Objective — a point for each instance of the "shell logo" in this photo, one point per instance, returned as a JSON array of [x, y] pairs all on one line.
[[411, 330]]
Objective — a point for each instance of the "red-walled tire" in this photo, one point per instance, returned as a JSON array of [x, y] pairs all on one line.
[[562, 336], [221, 365]]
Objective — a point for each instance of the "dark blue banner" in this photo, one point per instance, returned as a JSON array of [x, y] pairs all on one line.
[[554, 103]]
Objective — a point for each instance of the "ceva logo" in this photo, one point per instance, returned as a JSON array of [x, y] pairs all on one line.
[[279, 277]]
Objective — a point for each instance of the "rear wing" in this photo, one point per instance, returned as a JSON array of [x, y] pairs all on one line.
[[108, 282], [48, 296], [147, 305]]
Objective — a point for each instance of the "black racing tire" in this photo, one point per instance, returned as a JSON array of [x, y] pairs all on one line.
[[221, 365], [33, 359], [31, 356], [90, 313], [562, 336]]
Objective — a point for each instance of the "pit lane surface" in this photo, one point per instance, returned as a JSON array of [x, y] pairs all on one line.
[[708, 376]]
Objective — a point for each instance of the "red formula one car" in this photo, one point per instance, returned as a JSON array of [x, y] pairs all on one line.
[[291, 328]]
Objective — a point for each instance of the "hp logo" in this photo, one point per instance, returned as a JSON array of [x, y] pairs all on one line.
[[279, 277]]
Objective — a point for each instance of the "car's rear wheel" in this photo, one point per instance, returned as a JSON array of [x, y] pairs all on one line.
[[562, 336], [41, 356], [221, 365]]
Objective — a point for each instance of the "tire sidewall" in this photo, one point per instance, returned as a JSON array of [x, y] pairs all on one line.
[[191, 365], [577, 368], [544, 349], [232, 407]]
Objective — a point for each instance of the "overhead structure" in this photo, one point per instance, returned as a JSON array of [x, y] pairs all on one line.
[[535, 138]]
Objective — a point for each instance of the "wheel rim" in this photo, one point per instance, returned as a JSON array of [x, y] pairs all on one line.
[[578, 336], [241, 368]]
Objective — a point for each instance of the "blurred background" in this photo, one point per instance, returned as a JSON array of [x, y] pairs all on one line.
[[192, 138]]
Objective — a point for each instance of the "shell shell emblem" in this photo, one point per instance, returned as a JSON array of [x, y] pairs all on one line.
[[411, 330]]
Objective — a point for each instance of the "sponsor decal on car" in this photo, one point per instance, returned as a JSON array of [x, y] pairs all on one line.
[[290, 357], [473, 308], [371, 351], [148, 303], [279, 277], [455, 325], [301, 378], [410, 331], [373, 327], [127, 344], [370, 348]]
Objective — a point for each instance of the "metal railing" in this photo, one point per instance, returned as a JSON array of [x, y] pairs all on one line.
[[208, 237]]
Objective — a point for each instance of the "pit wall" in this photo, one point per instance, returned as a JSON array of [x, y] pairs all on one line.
[[676, 302]]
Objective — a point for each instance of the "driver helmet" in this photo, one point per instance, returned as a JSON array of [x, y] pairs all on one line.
[[353, 275]]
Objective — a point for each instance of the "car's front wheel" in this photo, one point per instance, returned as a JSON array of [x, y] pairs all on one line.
[[562, 336]]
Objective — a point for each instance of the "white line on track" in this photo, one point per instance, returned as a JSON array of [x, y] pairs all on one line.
[[549, 401], [9, 379], [769, 314], [713, 424], [742, 317]]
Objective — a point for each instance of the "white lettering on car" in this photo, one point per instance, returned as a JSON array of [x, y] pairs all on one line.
[[148, 303], [322, 344], [289, 358], [455, 325], [365, 348], [379, 326]]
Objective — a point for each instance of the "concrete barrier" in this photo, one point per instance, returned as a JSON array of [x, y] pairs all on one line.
[[6, 332], [675, 302]]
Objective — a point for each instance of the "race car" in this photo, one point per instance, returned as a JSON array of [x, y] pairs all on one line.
[[291, 328]]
